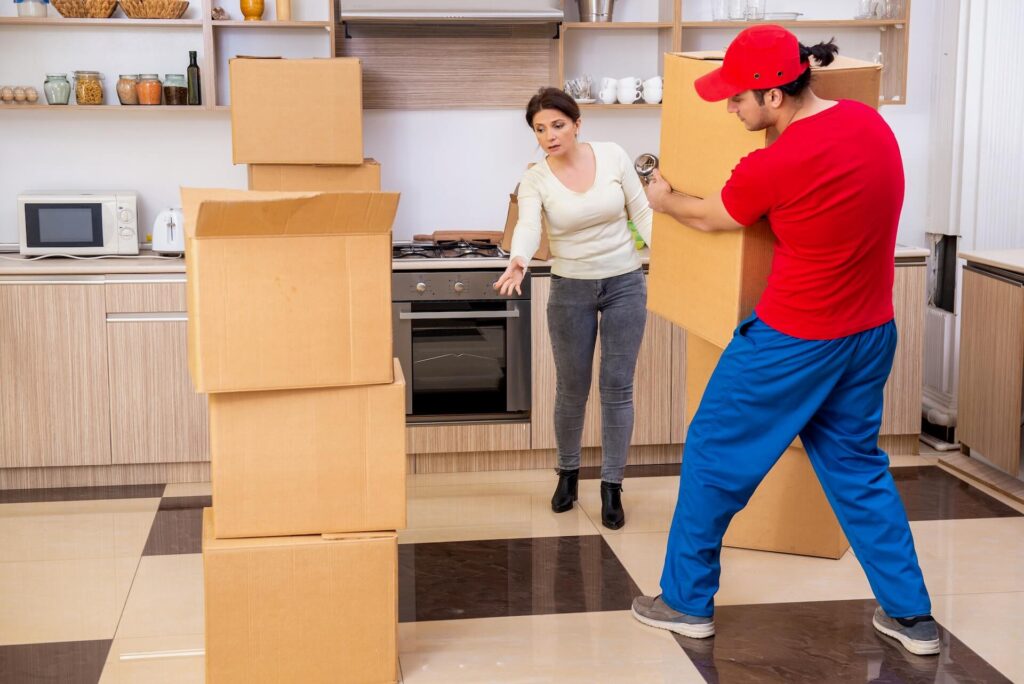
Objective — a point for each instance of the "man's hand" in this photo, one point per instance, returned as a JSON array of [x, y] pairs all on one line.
[[658, 191], [512, 278]]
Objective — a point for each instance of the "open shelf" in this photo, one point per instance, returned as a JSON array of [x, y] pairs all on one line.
[[621, 107], [613, 25], [124, 22], [809, 23], [108, 107], [270, 24]]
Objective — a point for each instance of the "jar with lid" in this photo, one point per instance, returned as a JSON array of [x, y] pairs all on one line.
[[88, 88], [57, 89], [148, 89], [31, 8], [126, 89], [175, 89]]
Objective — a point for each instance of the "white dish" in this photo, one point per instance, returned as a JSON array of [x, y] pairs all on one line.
[[585, 100]]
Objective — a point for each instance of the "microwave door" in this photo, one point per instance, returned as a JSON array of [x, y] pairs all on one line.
[[52, 226]]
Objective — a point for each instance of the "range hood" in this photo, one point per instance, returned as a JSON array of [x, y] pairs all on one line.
[[446, 11]]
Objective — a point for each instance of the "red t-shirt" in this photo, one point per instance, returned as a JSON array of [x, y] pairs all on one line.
[[831, 187]]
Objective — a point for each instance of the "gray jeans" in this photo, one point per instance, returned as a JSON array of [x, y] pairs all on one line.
[[576, 310]]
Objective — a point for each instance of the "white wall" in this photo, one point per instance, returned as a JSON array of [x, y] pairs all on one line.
[[454, 169]]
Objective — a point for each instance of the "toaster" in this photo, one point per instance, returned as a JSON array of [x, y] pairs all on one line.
[[169, 232]]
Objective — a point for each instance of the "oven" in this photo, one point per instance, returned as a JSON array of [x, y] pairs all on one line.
[[465, 349]]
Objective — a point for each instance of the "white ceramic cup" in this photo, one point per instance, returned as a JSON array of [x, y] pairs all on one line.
[[652, 95], [607, 96], [628, 95], [608, 83], [629, 83], [653, 83]]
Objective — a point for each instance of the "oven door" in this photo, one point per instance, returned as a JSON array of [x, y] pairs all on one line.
[[464, 360], [66, 227]]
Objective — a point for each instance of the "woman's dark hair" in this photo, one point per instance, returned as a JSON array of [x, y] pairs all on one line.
[[552, 98], [823, 53]]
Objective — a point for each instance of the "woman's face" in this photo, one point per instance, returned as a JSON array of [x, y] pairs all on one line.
[[556, 132]]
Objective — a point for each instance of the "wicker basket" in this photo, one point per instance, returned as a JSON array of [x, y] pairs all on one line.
[[90, 9], [153, 9]]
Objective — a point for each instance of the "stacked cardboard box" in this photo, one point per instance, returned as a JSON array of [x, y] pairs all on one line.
[[722, 275], [289, 298]]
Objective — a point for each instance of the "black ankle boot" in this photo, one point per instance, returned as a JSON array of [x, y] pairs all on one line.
[[566, 490], [612, 515]]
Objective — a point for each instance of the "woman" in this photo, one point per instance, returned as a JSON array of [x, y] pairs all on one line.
[[586, 191]]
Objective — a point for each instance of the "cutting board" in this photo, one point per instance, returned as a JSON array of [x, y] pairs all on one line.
[[491, 236]]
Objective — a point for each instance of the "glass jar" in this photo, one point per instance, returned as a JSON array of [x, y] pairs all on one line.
[[175, 89], [31, 8], [148, 89], [57, 89], [126, 89], [88, 88]]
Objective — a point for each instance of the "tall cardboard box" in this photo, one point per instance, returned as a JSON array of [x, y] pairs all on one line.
[[300, 609], [788, 512], [309, 461], [316, 177], [288, 290], [296, 111], [709, 282]]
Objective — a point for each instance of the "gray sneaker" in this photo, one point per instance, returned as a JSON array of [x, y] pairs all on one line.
[[654, 612], [918, 635]]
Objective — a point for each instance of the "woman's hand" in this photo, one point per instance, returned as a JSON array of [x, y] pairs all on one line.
[[512, 278], [658, 190]]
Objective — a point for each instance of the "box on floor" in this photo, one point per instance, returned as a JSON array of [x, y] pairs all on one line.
[[309, 461], [300, 609], [296, 111], [700, 145], [363, 177], [288, 290], [788, 512]]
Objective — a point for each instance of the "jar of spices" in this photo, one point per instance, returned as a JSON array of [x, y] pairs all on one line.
[[148, 89], [175, 89], [88, 88], [57, 89], [126, 89]]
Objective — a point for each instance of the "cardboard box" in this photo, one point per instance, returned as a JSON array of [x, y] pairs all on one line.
[[288, 290], [300, 609], [316, 177], [296, 111], [512, 218], [726, 272], [788, 512], [309, 461]]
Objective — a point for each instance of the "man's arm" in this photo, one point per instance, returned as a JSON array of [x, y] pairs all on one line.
[[708, 214]]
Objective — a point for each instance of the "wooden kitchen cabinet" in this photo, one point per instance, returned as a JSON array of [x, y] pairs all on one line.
[[992, 367], [902, 410], [156, 416], [652, 390], [54, 400]]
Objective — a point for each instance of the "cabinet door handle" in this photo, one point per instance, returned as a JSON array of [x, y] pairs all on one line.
[[146, 317]]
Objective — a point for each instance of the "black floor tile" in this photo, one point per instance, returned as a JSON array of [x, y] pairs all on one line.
[[823, 641], [931, 493], [177, 527], [505, 577], [81, 493], [66, 662]]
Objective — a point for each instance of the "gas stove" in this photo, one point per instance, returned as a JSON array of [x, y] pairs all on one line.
[[447, 249]]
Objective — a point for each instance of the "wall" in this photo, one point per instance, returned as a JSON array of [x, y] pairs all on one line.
[[454, 169]]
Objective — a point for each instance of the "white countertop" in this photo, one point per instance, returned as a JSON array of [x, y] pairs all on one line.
[[1006, 259]]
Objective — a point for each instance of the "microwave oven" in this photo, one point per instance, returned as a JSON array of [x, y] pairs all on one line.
[[78, 224]]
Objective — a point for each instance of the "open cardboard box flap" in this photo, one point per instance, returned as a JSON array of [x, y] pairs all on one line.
[[331, 213]]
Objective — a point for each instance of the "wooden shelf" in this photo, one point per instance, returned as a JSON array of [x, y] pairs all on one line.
[[108, 107], [123, 22], [620, 107], [613, 25], [234, 23], [810, 23]]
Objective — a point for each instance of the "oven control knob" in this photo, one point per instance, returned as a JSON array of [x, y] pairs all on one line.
[[459, 287], [125, 215], [421, 287]]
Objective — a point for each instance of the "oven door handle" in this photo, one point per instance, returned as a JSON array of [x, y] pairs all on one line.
[[444, 315]]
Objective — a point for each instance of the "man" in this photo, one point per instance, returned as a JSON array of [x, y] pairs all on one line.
[[814, 357]]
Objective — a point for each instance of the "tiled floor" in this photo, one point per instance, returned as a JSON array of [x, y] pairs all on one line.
[[105, 584]]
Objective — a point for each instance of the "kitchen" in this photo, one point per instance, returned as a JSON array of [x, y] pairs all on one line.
[[454, 168]]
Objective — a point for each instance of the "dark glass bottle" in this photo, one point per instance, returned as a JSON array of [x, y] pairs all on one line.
[[195, 96]]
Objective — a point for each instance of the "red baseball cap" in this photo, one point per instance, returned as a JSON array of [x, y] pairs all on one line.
[[762, 56]]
